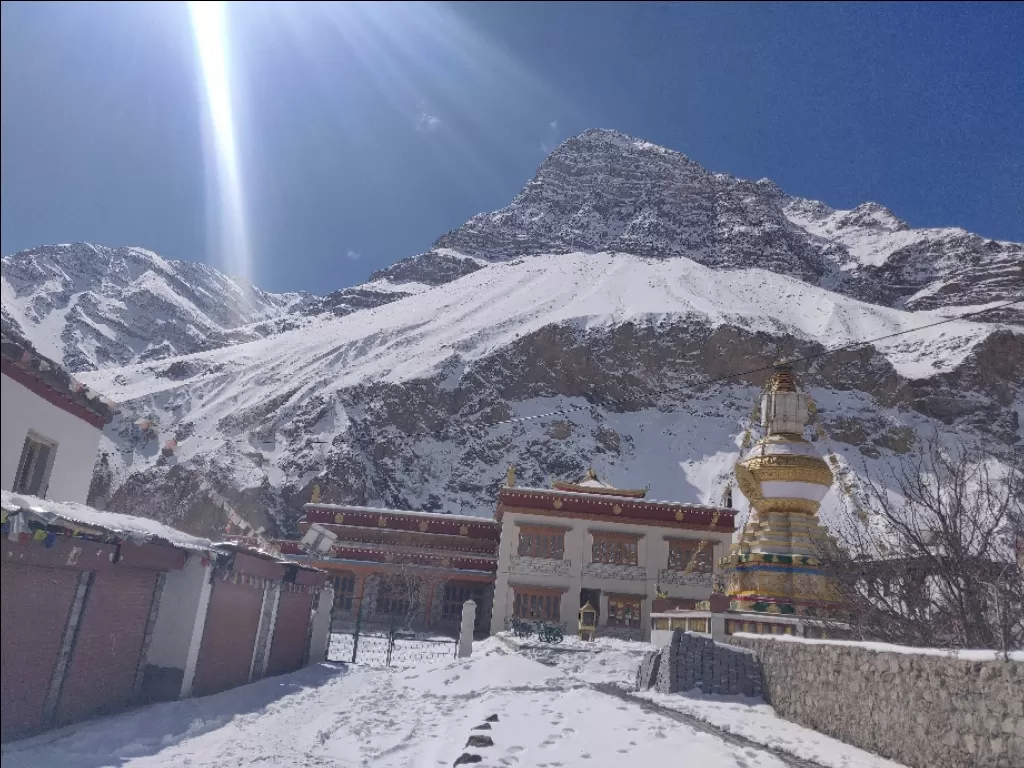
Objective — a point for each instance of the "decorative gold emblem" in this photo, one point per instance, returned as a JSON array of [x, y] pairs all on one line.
[[423, 526], [446, 562], [339, 518], [557, 503], [382, 522], [463, 530], [616, 509], [679, 515]]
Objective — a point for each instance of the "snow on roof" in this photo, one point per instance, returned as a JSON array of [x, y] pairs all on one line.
[[962, 654], [400, 512], [641, 501], [137, 529]]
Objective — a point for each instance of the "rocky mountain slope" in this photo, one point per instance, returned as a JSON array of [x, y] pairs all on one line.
[[91, 307], [617, 290]]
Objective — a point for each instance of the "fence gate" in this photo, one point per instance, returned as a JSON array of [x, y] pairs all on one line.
[[373, 640]]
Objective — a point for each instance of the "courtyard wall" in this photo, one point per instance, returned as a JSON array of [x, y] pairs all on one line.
[[922, 708]]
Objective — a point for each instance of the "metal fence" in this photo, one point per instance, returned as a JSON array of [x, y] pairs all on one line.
[[370, 639]]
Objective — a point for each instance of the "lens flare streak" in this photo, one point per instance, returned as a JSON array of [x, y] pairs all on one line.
[[227, 222]]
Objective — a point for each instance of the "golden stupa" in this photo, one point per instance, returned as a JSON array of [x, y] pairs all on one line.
[[774, 567]]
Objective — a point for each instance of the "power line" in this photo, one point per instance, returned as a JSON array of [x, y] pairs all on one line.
[[790, 361]]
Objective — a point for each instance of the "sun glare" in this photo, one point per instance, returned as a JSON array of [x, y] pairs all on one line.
[[228, 235]]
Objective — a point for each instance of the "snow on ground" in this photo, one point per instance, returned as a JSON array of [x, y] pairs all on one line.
[[616, 661], [337, 715]]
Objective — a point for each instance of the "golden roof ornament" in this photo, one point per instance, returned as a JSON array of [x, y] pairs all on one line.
[[591, 483], [782, 380], [315, 497], [510, 476]]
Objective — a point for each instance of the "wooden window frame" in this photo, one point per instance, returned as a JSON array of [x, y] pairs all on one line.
[[32, 479], [611, 548], [536, 603], [541, 542], [454, 596], [390, 600], [634, 618], [344, 597], [682, 551]]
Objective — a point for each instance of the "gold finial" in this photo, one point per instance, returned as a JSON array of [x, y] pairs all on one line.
[[510, 476], [591, 474], [315, 498], [782, 380]]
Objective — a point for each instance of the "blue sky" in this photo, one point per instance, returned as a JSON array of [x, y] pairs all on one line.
[[363, 132]]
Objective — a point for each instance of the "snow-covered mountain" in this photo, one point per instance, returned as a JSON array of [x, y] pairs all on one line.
[[616, 288], [90, 307]]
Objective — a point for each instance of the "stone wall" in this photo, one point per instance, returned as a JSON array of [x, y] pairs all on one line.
[[539, 566], [691, 662], [920, 710]]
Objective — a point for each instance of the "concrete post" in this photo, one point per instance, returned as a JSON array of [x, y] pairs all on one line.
[[466, 633], [320, 634]]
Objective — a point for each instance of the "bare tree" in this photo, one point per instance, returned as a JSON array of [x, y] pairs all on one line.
[[404, 592], [931, 551]]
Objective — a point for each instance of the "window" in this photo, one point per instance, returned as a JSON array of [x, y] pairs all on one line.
[[34, 467], [542, 542], [344, 591], [536, 605], [690, 556], [615, 549], [624, 611], [398, 596], [455, 595]]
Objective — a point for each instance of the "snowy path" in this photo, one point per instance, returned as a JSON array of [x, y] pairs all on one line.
[[332, 716]]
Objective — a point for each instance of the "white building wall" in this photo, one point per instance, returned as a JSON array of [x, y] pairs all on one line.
[[176, 615], [77, 442], [576, 570]]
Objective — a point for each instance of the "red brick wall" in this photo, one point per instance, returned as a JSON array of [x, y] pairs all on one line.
[[229, 636], [34, 607], [290, 633], [102, 670]]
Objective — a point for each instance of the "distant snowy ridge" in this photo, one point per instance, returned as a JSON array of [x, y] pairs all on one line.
[[89, 306], [414, 337]]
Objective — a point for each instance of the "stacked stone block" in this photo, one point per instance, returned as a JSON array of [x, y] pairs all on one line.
[[922, 710], [691, 662]]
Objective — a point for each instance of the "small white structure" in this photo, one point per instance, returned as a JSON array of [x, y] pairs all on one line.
[[51, 428], [320, 634], [178, 631], [466, 631]]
